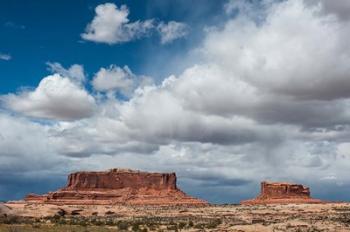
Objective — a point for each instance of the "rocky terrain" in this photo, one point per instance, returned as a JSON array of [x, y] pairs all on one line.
[[118, 186], [271, 217]]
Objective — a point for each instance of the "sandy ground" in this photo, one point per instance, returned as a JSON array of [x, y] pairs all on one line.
[[291, 217]]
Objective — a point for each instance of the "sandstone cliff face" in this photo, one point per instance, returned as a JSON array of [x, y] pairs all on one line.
[[280, 193], [118, 186], [119, 179], [283, 190]]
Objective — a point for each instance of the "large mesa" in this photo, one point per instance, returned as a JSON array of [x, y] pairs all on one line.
[[118, 186], [282, 193]]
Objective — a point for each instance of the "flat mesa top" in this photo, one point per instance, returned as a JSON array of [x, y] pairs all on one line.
[[121, 170], [279, 183]]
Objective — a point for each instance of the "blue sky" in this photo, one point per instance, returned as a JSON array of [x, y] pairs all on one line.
[[36, 32], [225, 93]]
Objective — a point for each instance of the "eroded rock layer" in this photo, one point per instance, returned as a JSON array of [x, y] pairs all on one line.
[[118, 186], [282, 193]]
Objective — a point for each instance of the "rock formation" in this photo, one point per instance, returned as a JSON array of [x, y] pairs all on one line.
[[118, 186], [4, 210], [282, 193]]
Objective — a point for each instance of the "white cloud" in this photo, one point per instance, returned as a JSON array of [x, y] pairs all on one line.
[[250, 52], [56, 97], [111, 25], [114, 79], [4, 56], [343, 149], [172, 31], [75, 72], [25, 146]]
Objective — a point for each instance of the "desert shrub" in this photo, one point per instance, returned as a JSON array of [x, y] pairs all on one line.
[[98, 222], [190, 224], [152, 226], [82, 222], [110, 222], [172, 228], [182, 225], [61, 221], [199, 226], [135, 227], [55, 218], [171, 222], [11, 220], [214, 223], [73, 221], [122, 225]]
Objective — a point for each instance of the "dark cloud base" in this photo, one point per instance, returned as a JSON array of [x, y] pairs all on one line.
[[16, 187]]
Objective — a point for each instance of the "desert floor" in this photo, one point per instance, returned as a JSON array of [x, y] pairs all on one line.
[[293, 217]]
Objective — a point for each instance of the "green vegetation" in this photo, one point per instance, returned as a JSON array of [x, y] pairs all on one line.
[[214, 223], [95, 223], [52, 228]]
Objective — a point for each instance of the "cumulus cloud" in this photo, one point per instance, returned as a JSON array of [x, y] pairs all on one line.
[[111, 25], [309, 73], [25, 146], [171, 31], [56, 97], [4, 56], [119, 80], [75, 72], [114, 79]]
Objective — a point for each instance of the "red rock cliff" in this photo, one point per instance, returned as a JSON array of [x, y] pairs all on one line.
[[280, 193], [119, 179], [118, 186], [283, 190]]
